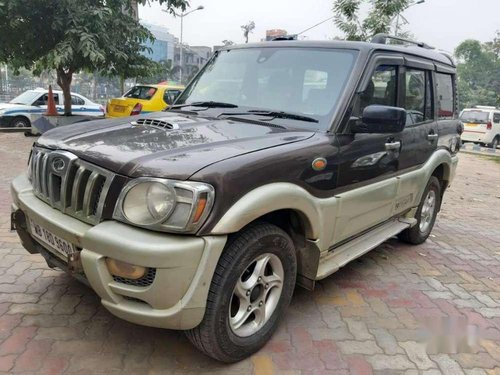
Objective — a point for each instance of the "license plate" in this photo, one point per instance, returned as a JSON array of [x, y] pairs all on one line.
[[119, 108], [56, 243], [471, 125]]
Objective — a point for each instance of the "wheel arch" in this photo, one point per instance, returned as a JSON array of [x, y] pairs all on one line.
[[290, 208], [20, 116]]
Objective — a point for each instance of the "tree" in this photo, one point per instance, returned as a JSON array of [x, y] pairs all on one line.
[[75, 35], [379, 19], [248, 29], [478, 71]]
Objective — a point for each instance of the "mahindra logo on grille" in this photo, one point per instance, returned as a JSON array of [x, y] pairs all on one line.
[[58, 164]]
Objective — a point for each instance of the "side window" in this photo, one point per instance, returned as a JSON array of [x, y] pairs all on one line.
[[381, 89], [75, 100], [446, 105], [496, 117], [170, 95], [42, 100], [418, 96]]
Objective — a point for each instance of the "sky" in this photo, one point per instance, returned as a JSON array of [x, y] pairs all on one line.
[[440, 23]]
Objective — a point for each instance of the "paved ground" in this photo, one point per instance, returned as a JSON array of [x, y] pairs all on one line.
[[368, 318]]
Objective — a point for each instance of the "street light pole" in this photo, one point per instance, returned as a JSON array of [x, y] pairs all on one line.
[[182, 15]]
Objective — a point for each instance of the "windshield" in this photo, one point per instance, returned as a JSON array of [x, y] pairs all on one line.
[[26, 98], [141, 92], [299, 80], [478, 117]]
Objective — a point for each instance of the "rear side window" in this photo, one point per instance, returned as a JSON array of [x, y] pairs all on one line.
[[446, 104], [418, 96], [476, 117], [170, 95], [496, 117], [141, 92], [75, 100]]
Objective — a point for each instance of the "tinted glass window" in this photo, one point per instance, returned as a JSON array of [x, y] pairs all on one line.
[[170, 95], [478, 117], [418, 96], [300, 80], [141, 92], [446, 105], [496, 117], [381, 89], [42, 100], [75, 100]]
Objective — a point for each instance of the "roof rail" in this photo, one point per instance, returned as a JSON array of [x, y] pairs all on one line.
[[382, 39]]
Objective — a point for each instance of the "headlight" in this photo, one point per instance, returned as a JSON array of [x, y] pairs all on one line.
[[164, 205]]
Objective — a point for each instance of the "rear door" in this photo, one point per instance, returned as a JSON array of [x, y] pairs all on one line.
[[420, 136], [78, 105]]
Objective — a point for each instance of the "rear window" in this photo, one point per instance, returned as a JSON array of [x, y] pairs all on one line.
[[477, 117], [141, 92]]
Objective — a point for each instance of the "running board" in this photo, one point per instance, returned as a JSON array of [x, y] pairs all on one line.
[[343, 254]]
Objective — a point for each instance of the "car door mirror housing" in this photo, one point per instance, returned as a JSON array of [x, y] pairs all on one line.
[[381, 119]]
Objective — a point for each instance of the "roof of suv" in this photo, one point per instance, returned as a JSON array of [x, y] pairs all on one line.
[[431, 54]]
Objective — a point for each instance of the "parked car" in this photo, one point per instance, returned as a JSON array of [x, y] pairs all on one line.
[[280, 163], [481, 125], [143, 99], [17, 112]]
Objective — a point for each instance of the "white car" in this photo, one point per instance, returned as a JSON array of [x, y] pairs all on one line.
[[17, 112], [481, 125]]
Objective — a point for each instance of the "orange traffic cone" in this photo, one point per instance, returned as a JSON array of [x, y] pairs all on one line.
[[51, 104]]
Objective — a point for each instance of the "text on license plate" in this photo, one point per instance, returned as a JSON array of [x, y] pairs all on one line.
[[471, 125], [119, 108], [63, 247]]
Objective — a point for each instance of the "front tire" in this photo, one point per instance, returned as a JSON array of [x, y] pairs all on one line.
[[252, 285], [20, 122], [426, 214]]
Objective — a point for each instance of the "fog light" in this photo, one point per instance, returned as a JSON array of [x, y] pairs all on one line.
[[123, 269]]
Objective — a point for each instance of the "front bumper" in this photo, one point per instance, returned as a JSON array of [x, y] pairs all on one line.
[[176, 298]]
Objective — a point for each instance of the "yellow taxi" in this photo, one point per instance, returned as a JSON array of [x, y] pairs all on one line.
[[143, 99]]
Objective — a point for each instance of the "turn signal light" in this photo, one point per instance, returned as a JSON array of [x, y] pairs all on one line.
[[123, 269], [136, 110], [202, 203]]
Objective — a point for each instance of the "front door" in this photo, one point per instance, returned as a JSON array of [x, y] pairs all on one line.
[[368, 163]]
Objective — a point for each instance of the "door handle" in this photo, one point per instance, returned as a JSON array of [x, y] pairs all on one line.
[[393, 146], [432, 136]]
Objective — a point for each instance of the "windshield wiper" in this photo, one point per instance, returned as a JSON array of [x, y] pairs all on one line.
[[209, 104], [273, 114]]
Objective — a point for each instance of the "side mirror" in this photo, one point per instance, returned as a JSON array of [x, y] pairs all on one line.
[[381, 119]]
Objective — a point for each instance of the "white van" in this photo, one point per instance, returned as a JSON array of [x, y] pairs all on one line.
[[481, 125]]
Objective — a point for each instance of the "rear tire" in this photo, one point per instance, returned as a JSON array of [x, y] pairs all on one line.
[[251, 288], [494, 143], [426, 214]]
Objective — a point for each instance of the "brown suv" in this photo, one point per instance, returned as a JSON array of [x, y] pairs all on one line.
[[280, 163]]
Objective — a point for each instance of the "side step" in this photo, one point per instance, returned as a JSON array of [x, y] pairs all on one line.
[[343, 254]]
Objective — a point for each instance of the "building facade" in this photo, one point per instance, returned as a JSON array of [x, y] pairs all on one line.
[[162, 49]]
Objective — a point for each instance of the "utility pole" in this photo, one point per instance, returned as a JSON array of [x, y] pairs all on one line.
[[182, 15]]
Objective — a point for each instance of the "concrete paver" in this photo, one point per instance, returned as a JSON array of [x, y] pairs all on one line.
[[372, 317]]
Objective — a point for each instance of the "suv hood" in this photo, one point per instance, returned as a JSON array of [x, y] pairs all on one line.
[[128, 148]]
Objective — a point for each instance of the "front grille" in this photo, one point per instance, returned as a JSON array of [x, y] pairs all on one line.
[[144, 281], [69, 184]]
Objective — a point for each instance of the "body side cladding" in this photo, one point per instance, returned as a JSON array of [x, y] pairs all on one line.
[[323, 225]]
